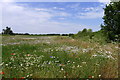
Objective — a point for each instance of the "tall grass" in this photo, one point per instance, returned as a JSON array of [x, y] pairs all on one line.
[[57, 57]]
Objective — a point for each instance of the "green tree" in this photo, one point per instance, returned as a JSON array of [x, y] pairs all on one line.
[[84, 30], [89, 30], [111, 19], [7, 31]]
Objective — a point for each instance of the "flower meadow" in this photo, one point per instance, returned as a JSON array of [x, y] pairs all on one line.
[[57, 57]]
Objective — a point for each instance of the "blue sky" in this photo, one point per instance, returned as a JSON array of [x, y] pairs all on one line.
[[52, 17]]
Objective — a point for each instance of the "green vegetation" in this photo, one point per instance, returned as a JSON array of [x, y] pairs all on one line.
[[111, 18], [7, 31], [86, 54], [88, 35], [57, 57]]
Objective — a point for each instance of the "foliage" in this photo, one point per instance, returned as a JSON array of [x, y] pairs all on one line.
[[88, 35], [111, 18], [82, 34], [7, 31]]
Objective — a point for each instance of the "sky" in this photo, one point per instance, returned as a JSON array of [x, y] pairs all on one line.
[[51, 17]]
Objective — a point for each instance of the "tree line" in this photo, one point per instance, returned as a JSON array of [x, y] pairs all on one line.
[[9, 31]]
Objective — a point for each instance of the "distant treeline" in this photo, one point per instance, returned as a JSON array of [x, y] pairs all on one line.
[[43, 34], [8, 31]]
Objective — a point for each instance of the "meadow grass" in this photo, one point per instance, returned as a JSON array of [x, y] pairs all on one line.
[[57, 57]]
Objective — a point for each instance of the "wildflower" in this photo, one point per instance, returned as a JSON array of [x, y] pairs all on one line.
[[6, 64], [78, 66], [22, 77], [28, 55], [49, 62], [2, 73], [31, 74], [12, 53], [51, 56], [92, 76], [51, 50], [99, 75], [27, 75], [94, 55], [64, 76], [21, 64], [68, 61], [27, 65], [61, 65], [109, 52], [85, 50], [89, 76], [62, 69], [84, 62]]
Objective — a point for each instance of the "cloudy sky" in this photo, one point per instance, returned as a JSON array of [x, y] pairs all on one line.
[[52, 17]]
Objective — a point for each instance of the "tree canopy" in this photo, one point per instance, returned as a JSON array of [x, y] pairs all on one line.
[[7, 31], [111, 19]]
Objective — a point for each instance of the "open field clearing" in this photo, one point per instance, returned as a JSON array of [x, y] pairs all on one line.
[[57, 57]]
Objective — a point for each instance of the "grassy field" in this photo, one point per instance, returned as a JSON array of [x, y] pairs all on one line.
[[57, 57]]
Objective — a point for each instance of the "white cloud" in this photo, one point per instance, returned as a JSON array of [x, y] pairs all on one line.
[[38, 20], [7, 0], [42, 9], [54, 7], [99, 8], [104, 0], [20, 13], [90, 15], [88, 9], [92, 12], [57, 8], [63, 14], [22, 19]]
